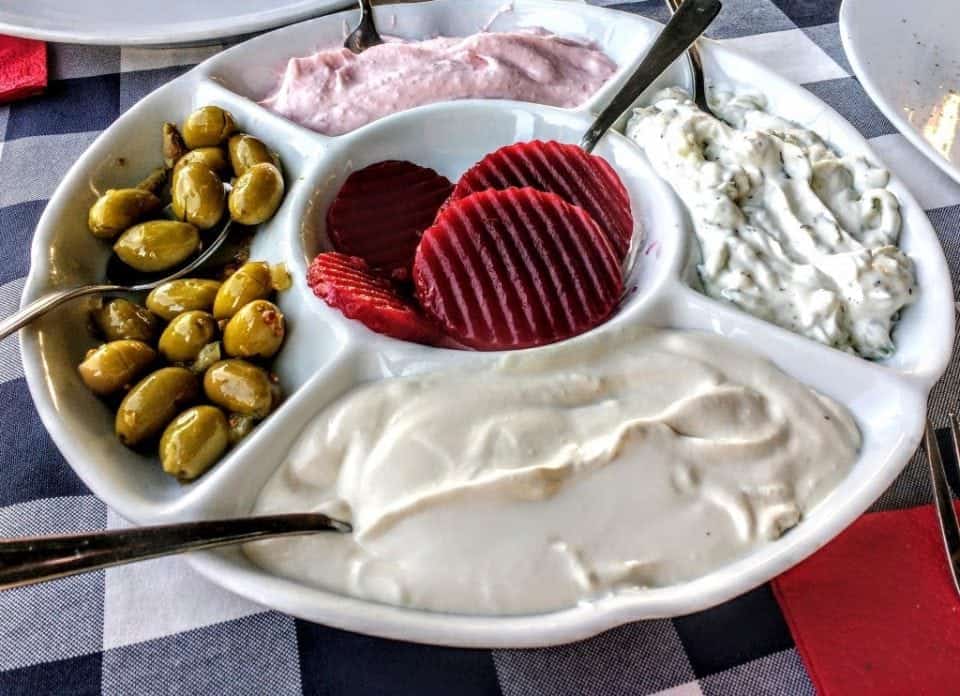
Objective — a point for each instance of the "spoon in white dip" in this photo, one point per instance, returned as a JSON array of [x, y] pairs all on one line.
[[696, 67], [684, 28], [29, 560]]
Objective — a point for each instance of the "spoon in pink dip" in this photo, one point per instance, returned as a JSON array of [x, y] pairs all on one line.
[[366, 34]]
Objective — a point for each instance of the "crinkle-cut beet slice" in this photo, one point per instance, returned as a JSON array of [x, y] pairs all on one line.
[[578, 177], [516, 268], [381, 211], [347, 283]]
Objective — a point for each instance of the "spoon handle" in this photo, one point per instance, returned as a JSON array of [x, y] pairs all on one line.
[[42, 305], [28, 560], [685, 27], [696, 67]]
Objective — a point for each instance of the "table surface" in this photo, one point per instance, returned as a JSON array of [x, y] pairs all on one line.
[[157, 627]]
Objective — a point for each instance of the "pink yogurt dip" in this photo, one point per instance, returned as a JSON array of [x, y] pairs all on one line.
[[334, 91]]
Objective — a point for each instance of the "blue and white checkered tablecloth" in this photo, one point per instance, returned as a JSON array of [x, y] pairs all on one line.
[[157, 627]]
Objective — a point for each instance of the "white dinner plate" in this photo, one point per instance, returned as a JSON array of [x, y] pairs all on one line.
[[907, 57], [326, 354], [152, 23]]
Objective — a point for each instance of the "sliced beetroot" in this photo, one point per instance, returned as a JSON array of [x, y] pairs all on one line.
[[381, 211], [578, 177], [516, 268], [347, 283]]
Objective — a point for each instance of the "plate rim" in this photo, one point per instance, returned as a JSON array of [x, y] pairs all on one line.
[[893, 114], [206, 34]]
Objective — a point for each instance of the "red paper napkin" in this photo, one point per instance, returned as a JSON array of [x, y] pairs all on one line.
[[23, 68], [874, 612]]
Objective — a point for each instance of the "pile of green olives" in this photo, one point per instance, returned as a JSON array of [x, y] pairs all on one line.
[[197, 159], [188, 371]]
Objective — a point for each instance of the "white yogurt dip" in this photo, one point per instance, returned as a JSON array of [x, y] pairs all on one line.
[[789, 231], [608, 464]]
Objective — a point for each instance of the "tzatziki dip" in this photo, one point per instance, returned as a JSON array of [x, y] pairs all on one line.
[[788, 230], [631, 459]]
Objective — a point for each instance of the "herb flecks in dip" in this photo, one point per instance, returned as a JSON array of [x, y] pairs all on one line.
[[789, 230]]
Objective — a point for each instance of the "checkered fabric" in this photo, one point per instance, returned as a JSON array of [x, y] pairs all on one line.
[[158, 628]]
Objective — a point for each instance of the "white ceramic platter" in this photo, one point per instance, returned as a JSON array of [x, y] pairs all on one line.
[[907, 58], [326, 354], [151, 23]]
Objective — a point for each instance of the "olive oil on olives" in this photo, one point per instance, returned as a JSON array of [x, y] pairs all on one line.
[[207, 126], [122, 319], [198, 196], [213, 158], [157, 245], [239, 386], [153, 402], [252, 281], [186, 335], [118, 209], [193, 442], [256, 194], [246, 151], [115, 366], [256, 331], [186, 392], [182, 295]]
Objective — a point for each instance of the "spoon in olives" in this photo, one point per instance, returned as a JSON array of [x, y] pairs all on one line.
[[120, 279]]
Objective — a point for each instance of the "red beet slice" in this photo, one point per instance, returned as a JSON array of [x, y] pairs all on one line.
[[576, 176], [347, 283], [381, 211], [516, 268]]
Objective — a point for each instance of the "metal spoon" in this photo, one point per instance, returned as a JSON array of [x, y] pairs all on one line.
[[683, 29], [366, 34], [30, 560], [696, 67], [121, 279]]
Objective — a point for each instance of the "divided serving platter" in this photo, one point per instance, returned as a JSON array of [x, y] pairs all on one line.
[[326, 354]]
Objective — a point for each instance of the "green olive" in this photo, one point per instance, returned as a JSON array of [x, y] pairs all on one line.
[[114, 366], [154, 181], [246, 151], [240, 426], [121, 318], [153, 403], [186, 335], [193, 442], [256, 195], [250, 282], [173, 146], [118, 209], [256, 331], [157, 245], [208, 355], [280, 277], [178, 296], [198, 196], [239, 386], [214, 158], [208, 125]]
